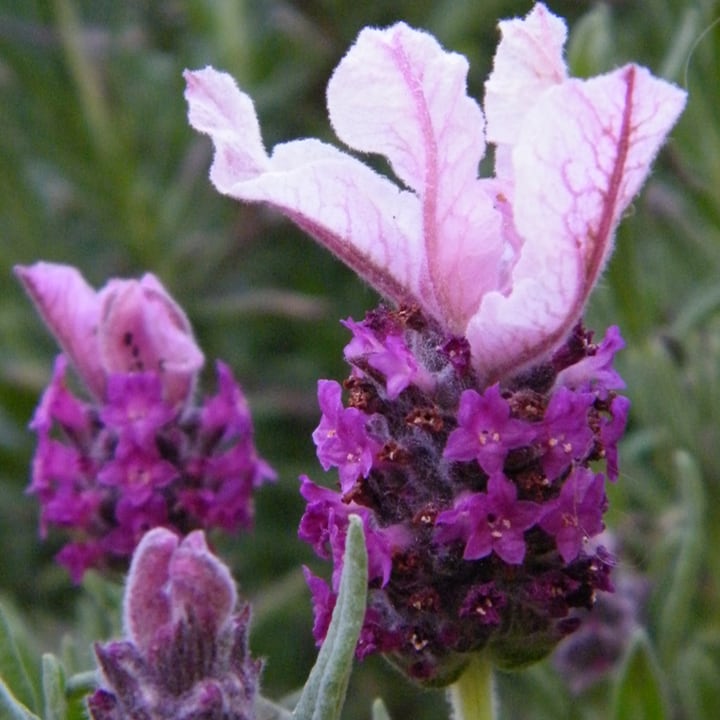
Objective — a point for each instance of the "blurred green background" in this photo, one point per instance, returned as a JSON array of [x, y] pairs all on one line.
[[98, 168]]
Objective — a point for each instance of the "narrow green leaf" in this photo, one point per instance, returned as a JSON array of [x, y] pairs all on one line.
[[267, 710], [379, 711], [11, 708], [12, 668], [81, 684], [638, 691], [53, 682], [677, 602], [324, 693]]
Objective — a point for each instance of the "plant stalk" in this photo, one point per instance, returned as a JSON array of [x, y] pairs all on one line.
[[472, 696]]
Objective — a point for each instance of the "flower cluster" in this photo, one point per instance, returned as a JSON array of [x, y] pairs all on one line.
[[185, 655], [478, 506], [140, 453]]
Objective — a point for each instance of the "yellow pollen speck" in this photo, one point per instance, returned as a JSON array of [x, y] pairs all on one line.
[[417, 643]]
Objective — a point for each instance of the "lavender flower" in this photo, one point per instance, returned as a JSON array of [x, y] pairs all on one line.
[[185, 655], [479, 412], [478, 537], [139, 452]]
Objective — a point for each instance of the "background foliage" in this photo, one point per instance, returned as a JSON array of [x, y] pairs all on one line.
[[98, 168]]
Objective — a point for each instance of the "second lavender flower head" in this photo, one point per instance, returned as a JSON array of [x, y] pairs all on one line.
[[136, 451]]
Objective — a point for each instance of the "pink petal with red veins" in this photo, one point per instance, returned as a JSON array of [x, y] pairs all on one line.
[[362, 217], [398, 93], [582, 153], [144, 329], [228, 116], [71, 310], [528, 61]]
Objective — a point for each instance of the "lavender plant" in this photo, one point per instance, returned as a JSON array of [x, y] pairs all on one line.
[[474, 437]]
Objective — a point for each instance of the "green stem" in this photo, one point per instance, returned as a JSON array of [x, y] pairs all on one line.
[[472, 695]]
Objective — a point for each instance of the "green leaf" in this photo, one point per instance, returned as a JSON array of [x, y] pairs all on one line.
[[638, 694], [678, 593], [12, 668], [77, 688], [11, 708], [324, 693], [268, 710], [379, 711], [53, 682]]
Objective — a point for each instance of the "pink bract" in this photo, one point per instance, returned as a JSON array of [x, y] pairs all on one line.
[[128, 326], [507, 261]]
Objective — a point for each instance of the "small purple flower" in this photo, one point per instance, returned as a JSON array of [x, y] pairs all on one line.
[[564, 433], [597, 367], [134, 406], [484, 603], [389, 355], [341, 437], [324, 525], [611, 431], [495, 521], [576, 514], [486, 432], [185, 654]]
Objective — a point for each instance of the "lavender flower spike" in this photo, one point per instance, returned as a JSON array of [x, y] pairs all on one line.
[[477, 408], [141, 452], [185, 655]]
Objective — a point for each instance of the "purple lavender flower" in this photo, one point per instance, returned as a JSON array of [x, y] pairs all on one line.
[[185, 653], [485, 431], [481, 400], [341, 437], [494, 521], [139, 452], [576, 513], [479, 507]]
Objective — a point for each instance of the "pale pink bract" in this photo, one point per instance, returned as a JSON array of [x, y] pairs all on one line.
[[125, 327], [508, 261]]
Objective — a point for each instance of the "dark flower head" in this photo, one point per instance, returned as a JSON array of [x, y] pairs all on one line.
[[479, 505]]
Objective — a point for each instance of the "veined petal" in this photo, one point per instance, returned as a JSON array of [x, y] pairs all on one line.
[[363, 218], [228, 116], [71, 310], [528, 61], [398, 93], [143, 329], [582, 153]]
